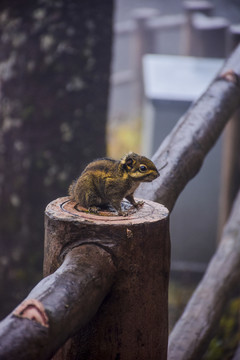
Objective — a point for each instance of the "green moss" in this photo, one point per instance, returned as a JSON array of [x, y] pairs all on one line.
[[215, 350], [227, 337]]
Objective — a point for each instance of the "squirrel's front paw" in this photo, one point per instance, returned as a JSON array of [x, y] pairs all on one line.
[[139, 204], [93, 209], [123, 213]]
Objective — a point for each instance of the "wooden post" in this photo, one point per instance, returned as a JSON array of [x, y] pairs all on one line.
[[201, 6], [210, 36], [230, 175], [132, 322], [191, 8], [143, 43], [206, 36]]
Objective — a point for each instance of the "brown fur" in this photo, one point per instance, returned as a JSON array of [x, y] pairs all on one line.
[[107, 181]]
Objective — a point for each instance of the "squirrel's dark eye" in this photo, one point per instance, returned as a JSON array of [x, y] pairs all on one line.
[[142, 168]]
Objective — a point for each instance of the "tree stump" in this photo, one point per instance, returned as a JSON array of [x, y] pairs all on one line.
[[132, 322]]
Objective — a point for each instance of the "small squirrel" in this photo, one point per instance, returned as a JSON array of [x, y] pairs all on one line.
[[106, 182]]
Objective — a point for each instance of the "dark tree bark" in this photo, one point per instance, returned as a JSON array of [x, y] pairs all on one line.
[[54, 71]]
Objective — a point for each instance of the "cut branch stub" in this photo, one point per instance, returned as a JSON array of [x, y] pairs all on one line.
[[133, 320], [32, 309]]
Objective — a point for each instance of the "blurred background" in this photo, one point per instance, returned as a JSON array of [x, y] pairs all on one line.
[[79, 81]]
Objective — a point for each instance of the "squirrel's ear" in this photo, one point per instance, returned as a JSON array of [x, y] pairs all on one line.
[[129, 160]]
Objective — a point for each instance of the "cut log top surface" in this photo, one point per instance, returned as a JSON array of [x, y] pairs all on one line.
[[66, 210]]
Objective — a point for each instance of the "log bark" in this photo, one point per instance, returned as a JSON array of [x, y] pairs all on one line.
[[193, 332], [194, 135], [133, 320], [58, 306]]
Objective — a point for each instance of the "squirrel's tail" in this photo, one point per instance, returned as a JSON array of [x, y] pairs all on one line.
[[71, 190]]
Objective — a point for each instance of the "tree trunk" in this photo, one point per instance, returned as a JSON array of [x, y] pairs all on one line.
[[133, 320], [54, 80]]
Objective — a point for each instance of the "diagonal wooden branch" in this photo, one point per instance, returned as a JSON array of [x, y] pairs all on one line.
[[56, 308], [195, 328], [194, 135]]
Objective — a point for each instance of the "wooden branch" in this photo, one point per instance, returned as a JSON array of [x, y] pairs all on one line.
[[194, 135], [192, 333], [58, 306]]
